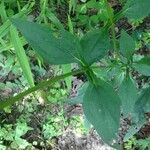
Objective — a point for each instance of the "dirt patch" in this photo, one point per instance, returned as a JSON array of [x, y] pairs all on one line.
[[72, 141]]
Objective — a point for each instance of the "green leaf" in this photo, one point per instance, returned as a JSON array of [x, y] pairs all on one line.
[[72, 5], [137, 9], [105, 12], [3, 14], [21, 55], [70, 25], [143, 103], [21, 129], [127, 44], [4, 29], [141, 107], [54, 19], [19, 143], [102, 108], [3, 147], [10, 45], [143, 66], [61, 48], [143, 143], [128, 95], [95, 45]]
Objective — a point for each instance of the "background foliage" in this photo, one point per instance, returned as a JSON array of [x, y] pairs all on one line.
[[114, 59]]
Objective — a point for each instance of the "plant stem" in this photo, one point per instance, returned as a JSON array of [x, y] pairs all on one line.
[[111, 17], [114, 37], [116, 54], [41, 85]]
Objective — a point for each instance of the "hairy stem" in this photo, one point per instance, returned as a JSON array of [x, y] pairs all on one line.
[[114, 37], [41, 85]]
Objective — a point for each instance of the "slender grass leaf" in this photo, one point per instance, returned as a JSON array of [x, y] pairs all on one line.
[[2, 42], [25, 10], [54, 19], [62, 48], [67, 68], [137, 9], [3, 12], [102, 108], [128, 94], [127, 44], [10, 45], [143, 66], [70, 25], [4, 29], [106, 11], [95, 45], [22, 58], [72, 5]]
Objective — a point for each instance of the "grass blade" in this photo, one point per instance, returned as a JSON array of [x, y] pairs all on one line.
[[9, 46], [4, 28], [22, 58], [67, 68], [54, 19], [3, 12]]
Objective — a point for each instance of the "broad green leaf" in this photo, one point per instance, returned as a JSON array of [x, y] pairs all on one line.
[[95, 45], [22, 58], [143, 103], [137, 9], [127, 44], [60, 48], [101, 107], [143, 66], [54, 19], [128, 95]]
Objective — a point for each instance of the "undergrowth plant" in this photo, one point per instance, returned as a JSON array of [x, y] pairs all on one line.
[[13, 135], [14, 42], [103, 101]]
